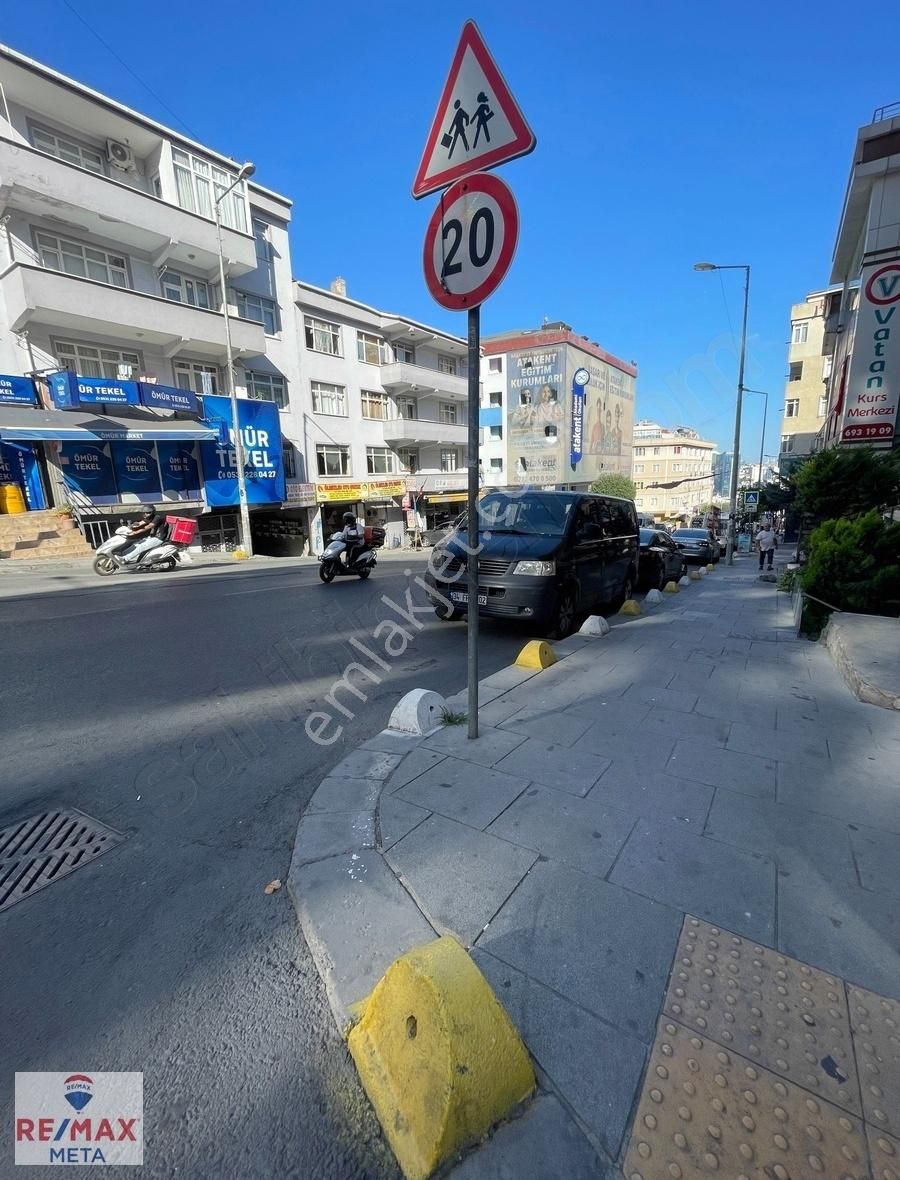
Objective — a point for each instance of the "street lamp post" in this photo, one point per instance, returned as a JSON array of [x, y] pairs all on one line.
[[736, 457], [245, 540]]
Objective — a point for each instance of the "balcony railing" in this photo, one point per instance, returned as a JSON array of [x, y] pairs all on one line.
[[424, 430], [401, 377], [888, 112], [44, 186], [33, 294]]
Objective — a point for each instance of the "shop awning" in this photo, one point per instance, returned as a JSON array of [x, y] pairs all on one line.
[[25, 425]]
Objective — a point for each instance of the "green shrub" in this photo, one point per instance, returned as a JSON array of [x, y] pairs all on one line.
[[853, 565]]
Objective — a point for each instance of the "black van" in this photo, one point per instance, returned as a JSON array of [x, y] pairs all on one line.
[[544, 557]]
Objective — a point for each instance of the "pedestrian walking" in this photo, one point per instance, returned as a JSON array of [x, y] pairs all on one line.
[[765, 543]]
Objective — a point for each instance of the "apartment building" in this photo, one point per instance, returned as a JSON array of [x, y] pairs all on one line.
[[860, 334], [381, 417], [109, 269], [539, 426], [672, 471], [809, 367]]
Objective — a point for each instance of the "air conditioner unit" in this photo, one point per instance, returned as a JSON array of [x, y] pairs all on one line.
[[120, 155]]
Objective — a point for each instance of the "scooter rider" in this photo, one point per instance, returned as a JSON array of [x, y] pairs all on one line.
[[148, 532], [352, 536]]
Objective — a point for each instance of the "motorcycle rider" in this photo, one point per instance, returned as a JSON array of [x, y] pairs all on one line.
[[148, 532], [352, 536]]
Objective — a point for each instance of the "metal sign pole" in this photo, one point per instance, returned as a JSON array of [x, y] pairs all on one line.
[[472, 518]]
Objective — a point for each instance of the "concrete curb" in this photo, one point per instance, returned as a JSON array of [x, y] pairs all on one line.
[[357, 914]]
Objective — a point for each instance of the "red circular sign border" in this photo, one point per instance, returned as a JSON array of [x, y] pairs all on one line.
[[502, 194], [868, 289]]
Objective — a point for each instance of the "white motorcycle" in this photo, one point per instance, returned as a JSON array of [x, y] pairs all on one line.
[[331, 566], [110, 557]]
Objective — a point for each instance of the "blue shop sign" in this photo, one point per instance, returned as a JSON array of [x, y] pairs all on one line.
[[168, 397], [180, 472], [137, 473], [263, 462], [17, 391], [19, 465], [70, 391], [88, 468]]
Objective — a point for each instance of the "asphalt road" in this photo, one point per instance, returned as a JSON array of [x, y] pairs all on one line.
[[172, 708]]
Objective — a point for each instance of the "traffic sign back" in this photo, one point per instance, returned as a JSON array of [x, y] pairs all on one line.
[[477, 125]]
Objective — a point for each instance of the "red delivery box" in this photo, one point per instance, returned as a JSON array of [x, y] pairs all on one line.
[[182, 529]]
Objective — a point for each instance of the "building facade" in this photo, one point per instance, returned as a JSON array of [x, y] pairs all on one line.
[[809, 367], [541, 427], [109, 269], [381, 417], [672, 471], [861, 338]]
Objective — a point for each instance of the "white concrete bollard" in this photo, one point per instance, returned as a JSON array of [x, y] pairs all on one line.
[[684, 580], [418, 712], [652, 597], [702, 571], [594, 625]]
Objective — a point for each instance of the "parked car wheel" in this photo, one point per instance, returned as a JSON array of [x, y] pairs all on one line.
[[564, 620], [661, 578]]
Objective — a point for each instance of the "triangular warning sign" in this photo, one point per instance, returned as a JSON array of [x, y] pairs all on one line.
[[477, 125]]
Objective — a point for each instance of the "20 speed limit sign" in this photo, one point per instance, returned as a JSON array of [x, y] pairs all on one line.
[[470, 241]]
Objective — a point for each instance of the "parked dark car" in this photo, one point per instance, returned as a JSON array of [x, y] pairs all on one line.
[[661, 560], [545, 557], [697, 545]]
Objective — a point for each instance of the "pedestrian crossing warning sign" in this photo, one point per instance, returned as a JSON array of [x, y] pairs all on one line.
[[477, 125]]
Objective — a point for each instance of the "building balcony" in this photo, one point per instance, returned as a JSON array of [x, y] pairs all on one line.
[[403, 378], [34, 295], [39, 184], [422, 431]]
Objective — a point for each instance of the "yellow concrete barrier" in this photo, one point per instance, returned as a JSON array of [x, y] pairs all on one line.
[[710, 568], [670, 588], [240, 555], [630, 607], [438, 1056], [694, 575], [536, 654]]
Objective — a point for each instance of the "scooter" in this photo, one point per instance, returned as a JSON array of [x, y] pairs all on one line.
[[110, 557], [331, 566]]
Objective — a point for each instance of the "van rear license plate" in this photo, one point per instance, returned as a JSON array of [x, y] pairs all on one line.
[[462, 596]]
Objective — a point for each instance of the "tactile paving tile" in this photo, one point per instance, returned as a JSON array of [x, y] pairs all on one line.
[[875, 1021], [884, 1152], [783, 1014], [707, 1111]]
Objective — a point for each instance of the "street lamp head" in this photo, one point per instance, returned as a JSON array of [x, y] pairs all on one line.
[[246, 171], [705, 266]]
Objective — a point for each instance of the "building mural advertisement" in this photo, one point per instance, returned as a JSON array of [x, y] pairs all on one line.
[[608, 418], [873, 385], [536, 419]]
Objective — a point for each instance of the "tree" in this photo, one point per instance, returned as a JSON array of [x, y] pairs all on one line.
[[613, 484], [846, 482], [853, 565]]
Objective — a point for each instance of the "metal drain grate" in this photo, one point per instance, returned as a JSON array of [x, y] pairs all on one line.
[[47, 847]]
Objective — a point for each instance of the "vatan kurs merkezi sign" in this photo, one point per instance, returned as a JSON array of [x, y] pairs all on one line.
[[873, 382]]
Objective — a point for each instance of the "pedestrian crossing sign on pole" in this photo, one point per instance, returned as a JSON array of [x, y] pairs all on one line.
[[478, 123], [751, 499]]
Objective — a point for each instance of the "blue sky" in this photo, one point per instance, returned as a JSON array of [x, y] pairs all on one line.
[[667, 133]]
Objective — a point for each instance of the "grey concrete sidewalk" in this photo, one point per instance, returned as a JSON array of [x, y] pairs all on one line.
[[700, 760]]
